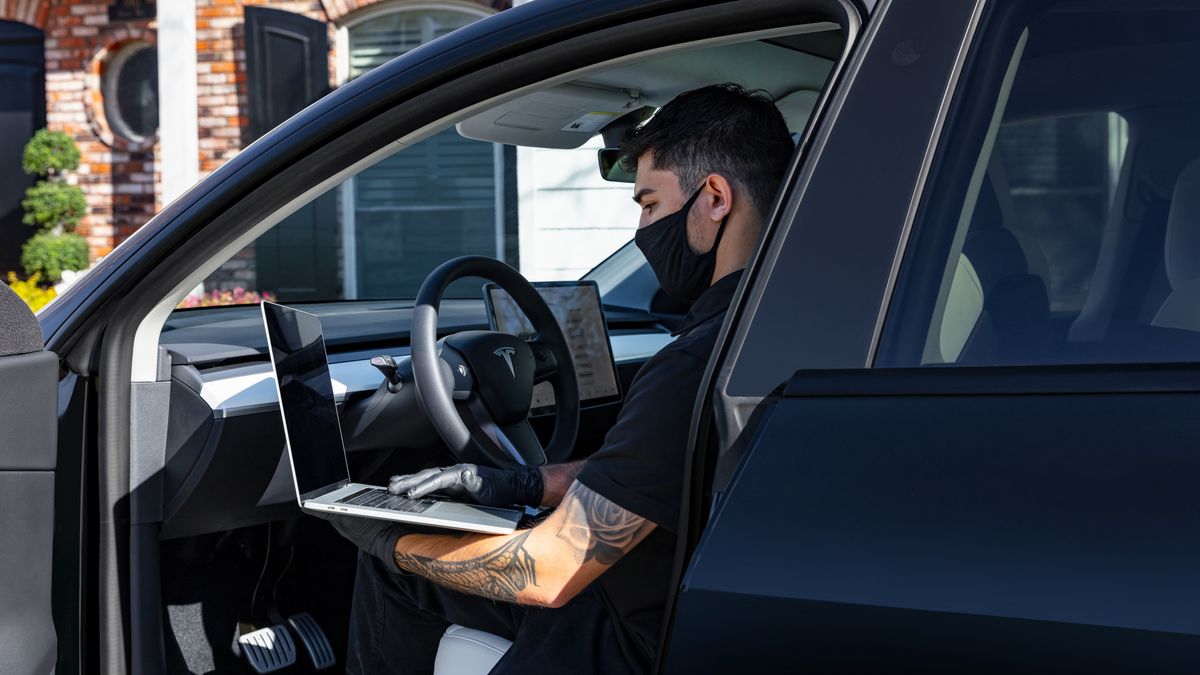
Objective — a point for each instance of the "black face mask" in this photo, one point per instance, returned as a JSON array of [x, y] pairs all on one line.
[[682, 273]]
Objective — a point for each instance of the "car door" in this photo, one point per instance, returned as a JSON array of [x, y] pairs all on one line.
[[113, 318], [1006, 478], [28, 433]]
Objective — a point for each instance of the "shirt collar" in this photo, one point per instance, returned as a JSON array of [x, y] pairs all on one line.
[[712, 303]]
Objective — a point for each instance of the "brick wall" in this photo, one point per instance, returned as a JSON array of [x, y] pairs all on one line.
[[118, 178], [221, 57], [221, 73]]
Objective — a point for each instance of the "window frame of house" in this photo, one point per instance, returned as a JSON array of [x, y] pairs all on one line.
[[347, 197], [110, 83]]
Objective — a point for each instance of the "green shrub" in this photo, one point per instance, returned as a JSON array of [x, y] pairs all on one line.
[[49, 254], [49, 153], [54, 205], [31, 291]]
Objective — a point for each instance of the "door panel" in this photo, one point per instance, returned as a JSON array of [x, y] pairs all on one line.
[[28, 436], [933, 520]]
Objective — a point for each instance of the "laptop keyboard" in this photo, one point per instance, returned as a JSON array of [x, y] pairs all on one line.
[[382, 499]]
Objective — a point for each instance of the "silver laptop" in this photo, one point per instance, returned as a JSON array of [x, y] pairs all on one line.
[[314, 438]]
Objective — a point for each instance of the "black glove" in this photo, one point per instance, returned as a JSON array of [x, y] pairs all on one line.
[[376, 537], [482, 484]]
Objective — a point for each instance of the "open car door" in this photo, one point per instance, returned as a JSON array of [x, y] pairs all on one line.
[[28, 433]]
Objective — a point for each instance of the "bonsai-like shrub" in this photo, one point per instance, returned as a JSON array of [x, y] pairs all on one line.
[[53, 205], [48, 254], [50, 153]]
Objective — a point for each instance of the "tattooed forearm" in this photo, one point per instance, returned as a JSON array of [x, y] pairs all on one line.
[[598, 529], [500, 574]]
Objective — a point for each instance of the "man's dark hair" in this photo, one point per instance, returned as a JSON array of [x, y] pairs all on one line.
[[722, 129]]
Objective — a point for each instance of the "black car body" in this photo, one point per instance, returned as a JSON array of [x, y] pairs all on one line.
[[949, 423]]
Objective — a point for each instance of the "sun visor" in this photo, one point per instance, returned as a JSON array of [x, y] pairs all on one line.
[[561, 117]]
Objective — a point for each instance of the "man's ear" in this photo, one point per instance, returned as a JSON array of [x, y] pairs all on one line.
[[719, 198]]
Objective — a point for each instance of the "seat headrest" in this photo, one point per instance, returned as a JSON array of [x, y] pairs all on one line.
[[19, 329], [1183, 228], [991, 226]]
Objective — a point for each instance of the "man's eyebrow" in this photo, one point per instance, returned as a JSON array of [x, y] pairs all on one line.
[[642, 193]]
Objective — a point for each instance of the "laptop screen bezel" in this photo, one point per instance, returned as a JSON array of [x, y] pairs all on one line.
[[311, 494]]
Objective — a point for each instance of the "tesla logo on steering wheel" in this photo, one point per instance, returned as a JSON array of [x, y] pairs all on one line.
[[506, 353]]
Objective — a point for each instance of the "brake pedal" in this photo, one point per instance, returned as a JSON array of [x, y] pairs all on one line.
[[313, 639], [268, 649]]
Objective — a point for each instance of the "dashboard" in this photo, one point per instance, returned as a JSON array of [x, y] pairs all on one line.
[[225, 466]]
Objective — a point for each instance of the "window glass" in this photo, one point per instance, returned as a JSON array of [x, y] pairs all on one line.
[[441, 198], [382, 38], [1061, 176], [131, 92], [1058, 199]]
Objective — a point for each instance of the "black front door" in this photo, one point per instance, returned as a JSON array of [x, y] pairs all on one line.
[[22, 111]]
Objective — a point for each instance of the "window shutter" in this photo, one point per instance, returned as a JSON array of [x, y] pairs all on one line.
[[287, 68], [287, 65]]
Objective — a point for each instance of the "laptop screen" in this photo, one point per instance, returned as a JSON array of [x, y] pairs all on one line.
[[310, 417]]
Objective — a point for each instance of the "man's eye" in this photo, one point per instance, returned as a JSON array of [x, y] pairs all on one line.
[[648, 208]]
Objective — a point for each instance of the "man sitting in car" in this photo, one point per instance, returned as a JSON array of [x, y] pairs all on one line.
[[584, 590]]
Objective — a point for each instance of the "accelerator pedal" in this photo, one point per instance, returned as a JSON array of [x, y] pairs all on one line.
[[313, 639], [268, 649]]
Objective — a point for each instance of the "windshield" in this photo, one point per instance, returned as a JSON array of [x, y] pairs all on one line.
[[378, 234], [518, 181]]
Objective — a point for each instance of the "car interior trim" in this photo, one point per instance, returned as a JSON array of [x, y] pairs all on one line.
[[248, 389]]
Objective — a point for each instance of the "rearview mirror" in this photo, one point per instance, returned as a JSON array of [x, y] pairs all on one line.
[[610, 166]]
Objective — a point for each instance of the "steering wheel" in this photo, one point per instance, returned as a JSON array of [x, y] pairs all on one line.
[[476, 386]]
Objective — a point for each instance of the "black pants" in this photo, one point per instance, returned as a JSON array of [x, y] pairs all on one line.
[[398, 619]]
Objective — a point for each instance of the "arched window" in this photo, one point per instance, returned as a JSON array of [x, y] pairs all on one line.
[[381, 36], [438, 199]]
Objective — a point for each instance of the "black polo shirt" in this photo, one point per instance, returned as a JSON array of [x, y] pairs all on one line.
[[640, 468]]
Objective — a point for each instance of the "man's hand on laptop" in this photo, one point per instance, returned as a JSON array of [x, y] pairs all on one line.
[[481, 484]]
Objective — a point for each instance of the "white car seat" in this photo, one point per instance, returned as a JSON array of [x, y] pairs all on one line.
[[1181, 309], [466, 651]]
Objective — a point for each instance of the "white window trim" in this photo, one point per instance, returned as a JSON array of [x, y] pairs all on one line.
[[178, 126], [342, 75]]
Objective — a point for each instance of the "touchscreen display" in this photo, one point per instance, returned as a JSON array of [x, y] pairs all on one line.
[[576, 306]]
